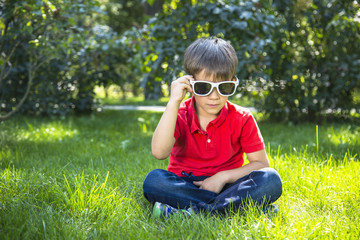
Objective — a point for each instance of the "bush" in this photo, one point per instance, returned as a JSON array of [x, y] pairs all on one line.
[[42, 46], [53, 56], [247, 25], [298, 59], [315, 67]]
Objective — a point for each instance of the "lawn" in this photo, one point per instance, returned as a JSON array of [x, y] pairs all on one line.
[[81, 178]]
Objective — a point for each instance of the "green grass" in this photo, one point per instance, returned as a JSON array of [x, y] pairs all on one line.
[[81, 178]]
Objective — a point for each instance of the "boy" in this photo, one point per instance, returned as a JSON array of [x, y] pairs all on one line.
[[206, 137]]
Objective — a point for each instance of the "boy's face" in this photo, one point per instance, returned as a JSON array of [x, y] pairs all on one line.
[[210, 105]]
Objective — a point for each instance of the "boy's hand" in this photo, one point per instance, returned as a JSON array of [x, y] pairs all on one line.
[[179, 87], [214, 183]]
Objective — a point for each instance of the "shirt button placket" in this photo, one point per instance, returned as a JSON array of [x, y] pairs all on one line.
[[209, 143]]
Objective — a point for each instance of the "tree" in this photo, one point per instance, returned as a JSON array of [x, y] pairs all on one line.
[[23, 26], [298, 59], [315, 65], [47, 55], [248, 25], [119, 61]]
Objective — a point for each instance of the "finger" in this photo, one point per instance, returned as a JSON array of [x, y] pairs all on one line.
[[185, 79], [188, 76], [184, 84], [188, 88], [197, 183], [188, 79]]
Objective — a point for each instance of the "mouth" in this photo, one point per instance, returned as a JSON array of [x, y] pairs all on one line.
[[213, 105]]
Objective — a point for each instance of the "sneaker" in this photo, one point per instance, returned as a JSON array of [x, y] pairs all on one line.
[[164, 210], [270, 209]]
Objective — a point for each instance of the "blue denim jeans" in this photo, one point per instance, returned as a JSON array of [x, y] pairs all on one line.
[[262, 187]]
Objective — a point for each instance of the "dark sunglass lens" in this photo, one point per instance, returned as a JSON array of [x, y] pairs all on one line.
[[227, 88], [202, 88]]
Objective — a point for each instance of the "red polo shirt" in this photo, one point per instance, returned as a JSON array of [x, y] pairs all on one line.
[[221, 147]]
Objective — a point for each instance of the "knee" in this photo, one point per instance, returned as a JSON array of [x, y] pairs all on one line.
[[156, 180], [272, 175], [273, 182]]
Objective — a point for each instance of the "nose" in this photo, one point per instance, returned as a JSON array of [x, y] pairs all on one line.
[[214, 94]]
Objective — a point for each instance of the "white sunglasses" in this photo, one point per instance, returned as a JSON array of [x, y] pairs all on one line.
[[204, 88]]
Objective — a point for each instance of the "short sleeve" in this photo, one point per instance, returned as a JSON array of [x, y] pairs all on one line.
[[251, 139]]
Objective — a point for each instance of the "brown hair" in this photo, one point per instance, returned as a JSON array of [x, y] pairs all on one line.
[[213, 55]]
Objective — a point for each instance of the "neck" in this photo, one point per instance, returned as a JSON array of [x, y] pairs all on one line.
[[204, 118]]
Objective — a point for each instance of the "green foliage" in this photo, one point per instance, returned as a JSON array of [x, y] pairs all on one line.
[[115, 60], [53, 55], [44, 44], [122, 14], [248, 25], [116, 57], [297, 59], [316, 62]]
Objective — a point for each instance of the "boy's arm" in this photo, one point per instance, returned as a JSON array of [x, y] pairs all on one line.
[[215, 183], [163, 138]]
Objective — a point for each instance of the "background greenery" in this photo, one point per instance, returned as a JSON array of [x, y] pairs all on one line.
[[298, 60]]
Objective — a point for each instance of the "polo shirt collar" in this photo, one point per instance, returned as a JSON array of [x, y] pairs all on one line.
[[195, 124]]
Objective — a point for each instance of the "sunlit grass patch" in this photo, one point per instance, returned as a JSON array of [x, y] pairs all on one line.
[[54, 131], [345, 135]]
